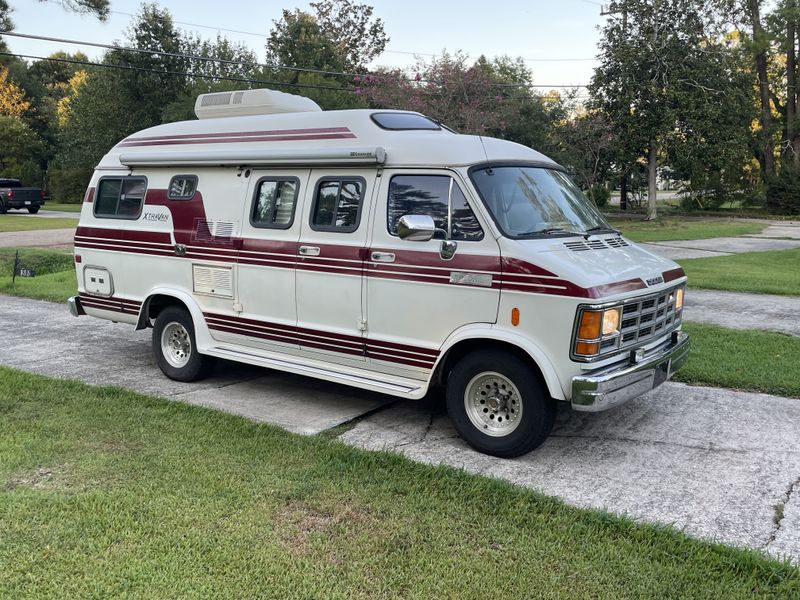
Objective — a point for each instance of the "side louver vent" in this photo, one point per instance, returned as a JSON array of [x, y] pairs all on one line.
[[214, 281], [212, 232], [596, 244]]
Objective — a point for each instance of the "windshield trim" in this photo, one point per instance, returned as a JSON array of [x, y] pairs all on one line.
[[536, 164]]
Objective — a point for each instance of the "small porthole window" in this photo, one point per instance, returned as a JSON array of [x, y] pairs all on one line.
[[182, 187]]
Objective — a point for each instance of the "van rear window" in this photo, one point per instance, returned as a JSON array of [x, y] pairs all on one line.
[[274, 202], [337, 204], [404, 121], [120, 197]]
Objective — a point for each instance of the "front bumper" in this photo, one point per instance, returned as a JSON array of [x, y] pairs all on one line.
[[601, 391]]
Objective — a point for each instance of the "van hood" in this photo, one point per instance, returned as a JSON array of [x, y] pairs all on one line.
[[609, 265]]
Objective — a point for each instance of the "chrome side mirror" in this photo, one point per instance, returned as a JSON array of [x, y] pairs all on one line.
[[416, 228]]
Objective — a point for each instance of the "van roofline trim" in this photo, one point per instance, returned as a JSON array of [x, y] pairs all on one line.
[[375, 155]]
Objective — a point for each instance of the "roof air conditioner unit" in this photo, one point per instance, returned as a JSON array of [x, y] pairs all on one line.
[[251, 102]]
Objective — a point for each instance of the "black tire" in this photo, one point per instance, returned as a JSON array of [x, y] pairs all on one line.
[[3, 209], [482, 371], [183, 362], [33, 209]]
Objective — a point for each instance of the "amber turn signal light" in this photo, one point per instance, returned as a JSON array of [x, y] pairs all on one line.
[[589, 328], [587, 348]]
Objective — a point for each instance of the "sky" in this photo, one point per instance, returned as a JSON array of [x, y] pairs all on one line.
[[557, 38]]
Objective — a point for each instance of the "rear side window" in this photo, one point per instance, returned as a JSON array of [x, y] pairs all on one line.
[[274, 202], [120, 197], [182, 187], [428, 195], [337, 204]]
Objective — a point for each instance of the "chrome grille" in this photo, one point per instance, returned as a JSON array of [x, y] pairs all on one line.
[[647, 318]]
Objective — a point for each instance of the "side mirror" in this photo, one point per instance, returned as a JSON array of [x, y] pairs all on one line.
[[416, 228]]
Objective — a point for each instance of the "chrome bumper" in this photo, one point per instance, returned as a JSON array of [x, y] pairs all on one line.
[[75, 308], [601, 391]]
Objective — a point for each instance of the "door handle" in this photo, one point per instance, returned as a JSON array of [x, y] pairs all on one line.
[[382, 256], [309, 251]]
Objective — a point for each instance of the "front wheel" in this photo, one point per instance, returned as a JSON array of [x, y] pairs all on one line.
[[498, 405], [175, 347]]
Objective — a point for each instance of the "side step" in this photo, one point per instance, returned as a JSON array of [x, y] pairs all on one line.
[[397, 386]]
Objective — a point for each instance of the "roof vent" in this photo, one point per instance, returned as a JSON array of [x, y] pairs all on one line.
[[251, 102]]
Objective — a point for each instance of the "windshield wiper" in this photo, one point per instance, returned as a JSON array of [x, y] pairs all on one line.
[[549, 230], [600, 228]]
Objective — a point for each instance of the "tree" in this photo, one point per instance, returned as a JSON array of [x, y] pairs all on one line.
[[21, 150], [340, 36], [656, 64], [12, 97]]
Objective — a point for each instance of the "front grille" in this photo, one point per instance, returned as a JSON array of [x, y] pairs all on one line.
[[648, 317], [644, 319]]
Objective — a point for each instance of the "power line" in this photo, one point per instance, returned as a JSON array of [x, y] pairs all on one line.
[[405, 52], [253, 64], [179, 73]]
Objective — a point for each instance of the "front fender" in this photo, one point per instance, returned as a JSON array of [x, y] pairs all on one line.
[[483, 331]]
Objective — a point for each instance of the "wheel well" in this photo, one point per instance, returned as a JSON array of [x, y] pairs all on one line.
[[461, 349], [153, 307]]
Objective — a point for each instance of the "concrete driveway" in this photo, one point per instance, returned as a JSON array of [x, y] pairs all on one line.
[[718, 464]]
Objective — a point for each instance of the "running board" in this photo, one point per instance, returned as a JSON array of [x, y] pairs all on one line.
[[406, 388]]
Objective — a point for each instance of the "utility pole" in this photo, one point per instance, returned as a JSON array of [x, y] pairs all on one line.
[[608, 10]]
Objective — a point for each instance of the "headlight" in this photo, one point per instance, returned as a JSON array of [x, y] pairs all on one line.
[[678, 299], [594, 327]]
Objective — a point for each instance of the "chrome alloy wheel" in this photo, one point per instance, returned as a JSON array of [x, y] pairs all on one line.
[[176, 345], [493, 404]]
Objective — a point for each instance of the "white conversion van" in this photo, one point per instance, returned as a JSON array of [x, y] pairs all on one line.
[[381, 250]]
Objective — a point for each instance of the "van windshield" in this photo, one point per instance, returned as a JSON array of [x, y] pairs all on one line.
[[527, 201]]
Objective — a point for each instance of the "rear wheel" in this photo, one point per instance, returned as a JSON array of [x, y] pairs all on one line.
[[33, 209], [3, 209], [175, 347], [498, 405]]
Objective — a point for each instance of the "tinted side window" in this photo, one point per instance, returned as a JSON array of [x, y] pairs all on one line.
[[120, 197], [427, 195], [182, 187], [337, 205], [274, 203]]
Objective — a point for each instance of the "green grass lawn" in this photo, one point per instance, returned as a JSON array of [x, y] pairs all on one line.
[[55, 274], [772, 272], [19, 223], [107, 493], [757, 361], [63, 206], [670, 229]]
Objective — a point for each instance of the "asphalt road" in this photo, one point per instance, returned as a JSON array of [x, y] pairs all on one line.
[[714, 463]]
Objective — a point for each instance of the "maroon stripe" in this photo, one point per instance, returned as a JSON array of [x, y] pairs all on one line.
[[402, 361], [239, 133], [235, 140], [521, 267], [128, 235], [380, 344], [113, 248], [618, 287], [673, 274], [251, 333]]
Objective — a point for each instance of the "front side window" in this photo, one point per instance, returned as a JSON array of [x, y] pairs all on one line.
[[274, 203], [429, 195], [120, 197], [182, 187], [337, 205], [528, 201]]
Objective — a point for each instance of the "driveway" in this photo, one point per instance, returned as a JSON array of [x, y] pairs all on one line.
[[45, 238], [712, 462]]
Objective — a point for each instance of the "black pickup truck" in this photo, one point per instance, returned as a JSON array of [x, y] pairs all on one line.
[[13, 195]]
